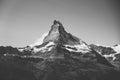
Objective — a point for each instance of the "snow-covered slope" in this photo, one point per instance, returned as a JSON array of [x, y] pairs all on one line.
[[45, 48], [117, 48]]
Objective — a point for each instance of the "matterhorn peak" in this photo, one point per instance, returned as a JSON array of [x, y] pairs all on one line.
[[57, 26], [55, 32], [56, 37], [57, 23], [58, 34]]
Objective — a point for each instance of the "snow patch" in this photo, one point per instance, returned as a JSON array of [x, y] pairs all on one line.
[[45, 48], [79, 48], [111, 55], [117, 48], [21, 49]]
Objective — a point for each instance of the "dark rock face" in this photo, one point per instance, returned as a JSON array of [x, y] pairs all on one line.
[[61, 56]]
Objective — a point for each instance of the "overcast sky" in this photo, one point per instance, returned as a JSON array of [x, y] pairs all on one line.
[[94, 21]]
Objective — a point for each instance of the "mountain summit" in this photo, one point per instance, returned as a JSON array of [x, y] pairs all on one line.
[[58, 35]]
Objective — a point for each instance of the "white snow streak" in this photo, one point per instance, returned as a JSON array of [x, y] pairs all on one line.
[[80, 48], [45, 48]]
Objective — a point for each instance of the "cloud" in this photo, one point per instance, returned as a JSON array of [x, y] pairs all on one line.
[[40, 40]]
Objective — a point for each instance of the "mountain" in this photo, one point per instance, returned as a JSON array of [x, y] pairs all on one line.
[[112, 54], [58, 55]]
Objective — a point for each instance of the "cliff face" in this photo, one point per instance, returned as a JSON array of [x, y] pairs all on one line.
[[59, 56]]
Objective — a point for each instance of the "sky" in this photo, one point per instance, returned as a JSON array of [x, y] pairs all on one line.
[[22, 22]]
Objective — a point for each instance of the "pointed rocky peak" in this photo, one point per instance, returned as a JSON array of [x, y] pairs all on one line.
[[58, 34], [55, 32], [57, 26]]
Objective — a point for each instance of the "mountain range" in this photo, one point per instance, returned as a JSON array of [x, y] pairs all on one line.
[[59, 55]]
